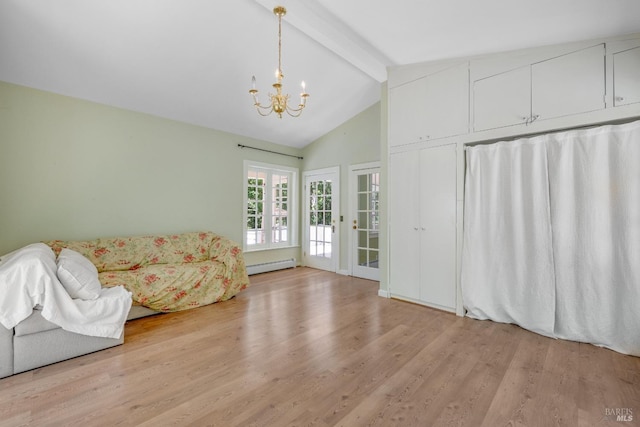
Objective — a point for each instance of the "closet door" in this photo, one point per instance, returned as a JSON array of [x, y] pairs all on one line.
[[626, 77], [438, 227], [569, 84], [406, 113], [404, 231], [431, 107], [422, 229], [446, 106], [502, 100]]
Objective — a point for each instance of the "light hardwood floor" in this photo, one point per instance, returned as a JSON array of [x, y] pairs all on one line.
[[310, 348]]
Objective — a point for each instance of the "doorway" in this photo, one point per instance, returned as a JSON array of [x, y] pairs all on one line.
[[364, 240], [321, 212]]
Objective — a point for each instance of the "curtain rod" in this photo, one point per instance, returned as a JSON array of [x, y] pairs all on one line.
[[269, 151], [551, 131]]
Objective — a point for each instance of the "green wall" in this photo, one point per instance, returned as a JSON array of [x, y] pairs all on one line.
[[73, 169]]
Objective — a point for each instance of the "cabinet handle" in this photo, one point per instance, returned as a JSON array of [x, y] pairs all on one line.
[[619, 98], [530, 119], [415, 228]]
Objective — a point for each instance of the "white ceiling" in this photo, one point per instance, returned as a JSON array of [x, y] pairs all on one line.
[[192, 60]]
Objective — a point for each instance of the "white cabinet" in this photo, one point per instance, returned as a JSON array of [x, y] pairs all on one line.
[[502, 100], [568, 84], [626, 77], [404, 212], [431, 107], [548, 88], [423, 226]]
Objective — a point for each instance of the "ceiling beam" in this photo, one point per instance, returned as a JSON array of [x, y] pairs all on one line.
[[325, 28]]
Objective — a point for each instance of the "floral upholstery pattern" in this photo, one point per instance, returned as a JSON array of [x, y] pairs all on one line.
[[169, 272]]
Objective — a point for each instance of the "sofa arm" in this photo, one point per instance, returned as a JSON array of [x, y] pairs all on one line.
[[229, 253], [6, 352]]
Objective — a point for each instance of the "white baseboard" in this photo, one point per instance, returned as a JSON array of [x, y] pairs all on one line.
[[383, 293], [343, 272], [271, 266]]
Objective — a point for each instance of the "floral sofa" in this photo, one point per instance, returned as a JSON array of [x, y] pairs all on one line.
[[163, 273], [168, 272]]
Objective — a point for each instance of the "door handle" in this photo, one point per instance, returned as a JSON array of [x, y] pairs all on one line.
[[333, 228]]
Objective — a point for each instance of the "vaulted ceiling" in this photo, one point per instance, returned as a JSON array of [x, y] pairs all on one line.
[[192, 60]]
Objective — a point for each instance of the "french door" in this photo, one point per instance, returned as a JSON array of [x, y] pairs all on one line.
[[365, 220], [321, 213]]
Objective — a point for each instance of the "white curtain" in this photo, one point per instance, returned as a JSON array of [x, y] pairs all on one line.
[[575, 237], [508, 264]]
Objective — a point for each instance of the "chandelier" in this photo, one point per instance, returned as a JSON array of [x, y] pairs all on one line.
[[279, 103]]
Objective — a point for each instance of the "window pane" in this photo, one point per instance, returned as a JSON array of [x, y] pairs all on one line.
[[363, 220], [373, 240], [362, 183], [266, 205], [362, 202], [373, 259], [362, 239], [362, 257]]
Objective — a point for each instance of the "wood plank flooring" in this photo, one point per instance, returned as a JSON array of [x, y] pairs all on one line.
[[304, 347]]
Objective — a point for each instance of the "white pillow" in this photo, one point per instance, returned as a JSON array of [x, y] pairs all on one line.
[[78, 275]]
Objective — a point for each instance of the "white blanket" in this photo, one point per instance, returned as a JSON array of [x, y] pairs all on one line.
[[28, 279]]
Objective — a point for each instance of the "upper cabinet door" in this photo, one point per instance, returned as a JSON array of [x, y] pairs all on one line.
[[569, 84], [626, 77], [406, 112], [502, 100], [434, 106], [447, 102]]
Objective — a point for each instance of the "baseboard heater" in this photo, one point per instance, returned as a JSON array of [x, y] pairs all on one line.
[[271, 266]]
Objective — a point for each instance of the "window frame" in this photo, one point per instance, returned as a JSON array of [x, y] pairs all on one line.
[[271, 170]]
